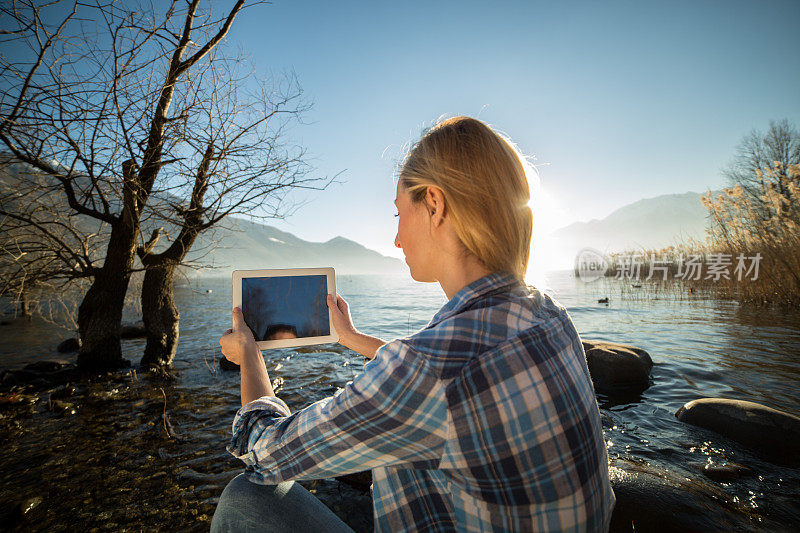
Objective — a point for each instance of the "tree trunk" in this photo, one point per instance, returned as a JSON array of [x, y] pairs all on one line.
[[160, 316], [100, 312]]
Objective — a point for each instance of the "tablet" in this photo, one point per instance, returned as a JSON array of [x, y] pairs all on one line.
[[286, 307]]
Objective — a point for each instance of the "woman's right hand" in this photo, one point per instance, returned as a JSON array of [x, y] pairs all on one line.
[[342, 321], [349, 336]]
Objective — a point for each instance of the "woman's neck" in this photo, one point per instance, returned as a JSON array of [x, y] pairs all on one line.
[[458, 274]]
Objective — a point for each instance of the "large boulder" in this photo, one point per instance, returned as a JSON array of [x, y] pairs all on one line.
[[648, 500], [617, 367], [772, 434]]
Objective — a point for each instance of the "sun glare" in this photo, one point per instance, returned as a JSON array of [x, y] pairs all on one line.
[[545, 256]]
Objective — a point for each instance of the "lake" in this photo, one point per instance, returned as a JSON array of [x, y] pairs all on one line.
[[118, 462]]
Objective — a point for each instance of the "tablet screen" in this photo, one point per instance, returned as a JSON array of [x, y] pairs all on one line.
[[286, 307]]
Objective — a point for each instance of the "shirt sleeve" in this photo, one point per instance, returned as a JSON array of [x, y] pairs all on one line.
[[395, 412]]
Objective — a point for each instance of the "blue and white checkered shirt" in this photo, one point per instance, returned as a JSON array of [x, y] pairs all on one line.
[[486, 419]]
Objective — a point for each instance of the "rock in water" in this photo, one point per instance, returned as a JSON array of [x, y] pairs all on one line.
[[772, 434], [69, 345], [726, 472], [653, 501], [617, 367], [50, 365], [133, 331], [227, 365]]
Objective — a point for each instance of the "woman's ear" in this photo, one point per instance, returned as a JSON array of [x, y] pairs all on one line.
[[434, 200]]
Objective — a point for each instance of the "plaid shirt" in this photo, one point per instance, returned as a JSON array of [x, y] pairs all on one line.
[[486, 419]]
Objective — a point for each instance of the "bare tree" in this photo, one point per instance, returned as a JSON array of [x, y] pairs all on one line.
[[761, 165], [234, 160], [99, 103]]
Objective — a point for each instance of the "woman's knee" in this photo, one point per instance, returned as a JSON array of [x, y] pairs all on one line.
[[242, 504]]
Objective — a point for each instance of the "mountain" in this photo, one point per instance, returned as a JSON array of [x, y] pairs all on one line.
[[242, 245], [650, 224]]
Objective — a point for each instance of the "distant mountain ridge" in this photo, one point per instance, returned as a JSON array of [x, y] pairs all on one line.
[[649, 223], [243, 245]]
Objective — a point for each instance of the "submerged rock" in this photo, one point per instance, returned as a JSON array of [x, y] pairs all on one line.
[[52, 365], [39, 375], [727, 472], [133, 331], [617, 367], [70, 345], [772, 434]]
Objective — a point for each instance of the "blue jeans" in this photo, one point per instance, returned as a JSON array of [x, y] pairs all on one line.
[[288, 506]]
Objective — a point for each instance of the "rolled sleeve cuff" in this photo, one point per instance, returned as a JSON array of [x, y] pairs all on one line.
[[250, 421]]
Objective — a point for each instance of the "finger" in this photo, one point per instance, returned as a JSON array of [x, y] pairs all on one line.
[[334, 303], [238, 319]]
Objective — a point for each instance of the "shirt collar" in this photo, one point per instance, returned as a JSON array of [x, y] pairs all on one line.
[[495, 282]]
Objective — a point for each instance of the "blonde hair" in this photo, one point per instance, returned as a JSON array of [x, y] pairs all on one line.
[[485, 185]]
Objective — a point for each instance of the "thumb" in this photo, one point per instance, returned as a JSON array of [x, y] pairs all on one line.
[[238, 319]]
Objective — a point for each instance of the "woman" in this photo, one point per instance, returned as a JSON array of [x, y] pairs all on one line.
[[486, 419]]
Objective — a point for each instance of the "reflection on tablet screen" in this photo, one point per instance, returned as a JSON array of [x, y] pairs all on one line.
[[286, 307]]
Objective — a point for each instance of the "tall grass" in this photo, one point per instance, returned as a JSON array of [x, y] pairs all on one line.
[[751, 253], [768, 223], [677, 271]]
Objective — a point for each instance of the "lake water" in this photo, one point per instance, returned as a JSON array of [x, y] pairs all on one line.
[[116, 458]]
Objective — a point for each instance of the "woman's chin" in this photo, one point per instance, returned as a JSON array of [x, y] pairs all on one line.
[[417, 276]]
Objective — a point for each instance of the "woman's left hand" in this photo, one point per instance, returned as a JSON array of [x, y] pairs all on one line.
[[238, 341]]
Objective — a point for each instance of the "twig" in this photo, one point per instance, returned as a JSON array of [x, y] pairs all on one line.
[[164, 414], [211, 368]]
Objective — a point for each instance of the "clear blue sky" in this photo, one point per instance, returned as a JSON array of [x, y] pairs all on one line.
[[619, 100]]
